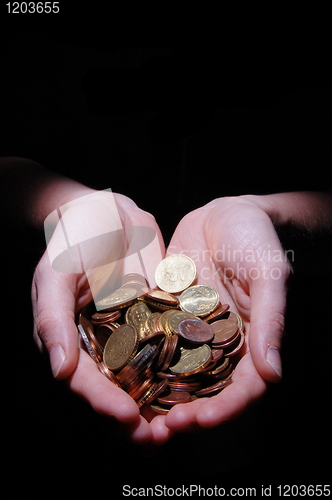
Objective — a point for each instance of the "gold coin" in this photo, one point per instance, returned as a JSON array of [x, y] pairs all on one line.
[[121, 347], [173, 319], [152, 322], [199, 300], [175, 273], [120, 298], [137, 315], [162, 296], [164, 321], [192, 360]]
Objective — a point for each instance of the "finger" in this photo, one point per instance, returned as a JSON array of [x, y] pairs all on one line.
[[109, 400], [183, 416], [54, 297], [160, 432], [247, 387], [268, 304]]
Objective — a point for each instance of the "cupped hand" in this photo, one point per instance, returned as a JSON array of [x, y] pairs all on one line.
[[58, 294], [237, 251]]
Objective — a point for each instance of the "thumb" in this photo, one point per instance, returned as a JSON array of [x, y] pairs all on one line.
[[268, 304], [53, 302]]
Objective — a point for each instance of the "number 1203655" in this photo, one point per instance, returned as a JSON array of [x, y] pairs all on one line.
[[33, 7]]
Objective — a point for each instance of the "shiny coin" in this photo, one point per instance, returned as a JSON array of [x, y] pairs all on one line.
[[199, 300], [184, 384], [138, 364], [152, 338], [160, 408], [162, 296], [173, 319], [92, 345], [152, 393], [105, 317], [225, 330], [152, 322], [237, 318], [167, 352], [118, 299], [234, 349], [217, 313], [103, 333], [120, 347], [175, 273], [108, 373], [174, 398], [222, 365], [88, 345], [213, 389], [133, 278], [192, 360], [195, 330], [137, 315]]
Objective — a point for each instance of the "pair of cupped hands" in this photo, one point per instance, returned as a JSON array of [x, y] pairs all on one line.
[[236, 250]]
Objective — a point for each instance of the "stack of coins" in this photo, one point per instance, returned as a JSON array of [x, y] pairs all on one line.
[[164, 346]]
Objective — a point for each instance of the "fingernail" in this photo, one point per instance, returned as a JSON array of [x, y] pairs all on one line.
[[274, 360], [57, 357]]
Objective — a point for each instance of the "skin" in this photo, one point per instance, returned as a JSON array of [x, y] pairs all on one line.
[[232, 240]]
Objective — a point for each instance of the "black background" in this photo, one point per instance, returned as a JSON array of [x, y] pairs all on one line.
[[172, 127]]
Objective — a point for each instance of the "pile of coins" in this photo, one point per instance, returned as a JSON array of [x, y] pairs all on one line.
[[164, 346]]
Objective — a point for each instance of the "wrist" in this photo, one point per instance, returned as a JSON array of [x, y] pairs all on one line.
[[306, 210]]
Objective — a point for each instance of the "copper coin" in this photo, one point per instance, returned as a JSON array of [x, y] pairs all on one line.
[[195, 330], [167, 351], [217, 354], [121, 347], [174, 398], [213, 389], [184, 384], [162, 296], [103, 333], [173, 319], [217, 313], [155, 337], [171, 347], [237, 318], [138, 363], [221, 366], [234, 349], [100, 317], [152, 393], [224, 331], [108, 373]]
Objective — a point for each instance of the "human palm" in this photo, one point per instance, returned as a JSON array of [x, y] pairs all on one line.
[[231, 241], [59, 294], [237, 251]]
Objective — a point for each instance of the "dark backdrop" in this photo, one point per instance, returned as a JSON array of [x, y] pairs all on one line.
[[171, 127]]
